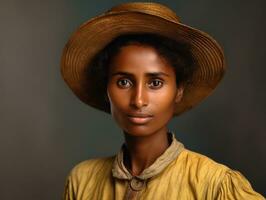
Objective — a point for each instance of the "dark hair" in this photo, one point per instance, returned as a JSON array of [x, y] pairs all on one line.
[[177, 54]]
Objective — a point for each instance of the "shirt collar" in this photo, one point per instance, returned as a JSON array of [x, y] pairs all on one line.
[[120, 171]]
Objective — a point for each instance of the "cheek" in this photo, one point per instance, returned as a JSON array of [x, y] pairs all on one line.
[[164, 102], [119, 104], [118, 98]]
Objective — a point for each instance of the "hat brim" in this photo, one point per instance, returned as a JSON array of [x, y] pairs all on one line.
[[95, 34]]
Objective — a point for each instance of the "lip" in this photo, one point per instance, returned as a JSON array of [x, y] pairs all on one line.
[[139, 118]]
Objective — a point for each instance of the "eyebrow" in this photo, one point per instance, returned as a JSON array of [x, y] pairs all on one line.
[[149, 74]]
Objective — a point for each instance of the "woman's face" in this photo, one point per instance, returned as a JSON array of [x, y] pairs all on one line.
[[142, 90]]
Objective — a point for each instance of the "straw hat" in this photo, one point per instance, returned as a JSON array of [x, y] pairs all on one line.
[[92, 36]]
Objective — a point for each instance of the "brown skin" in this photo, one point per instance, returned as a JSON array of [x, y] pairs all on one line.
[[141, 82]]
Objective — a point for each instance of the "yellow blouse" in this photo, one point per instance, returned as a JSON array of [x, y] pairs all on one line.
[[177, 174]]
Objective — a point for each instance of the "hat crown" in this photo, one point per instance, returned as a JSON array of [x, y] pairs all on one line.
[[148, 8]]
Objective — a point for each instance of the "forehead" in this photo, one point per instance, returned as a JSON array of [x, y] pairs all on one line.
[[139, 59]]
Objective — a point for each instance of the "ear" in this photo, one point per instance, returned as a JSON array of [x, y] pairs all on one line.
[[179, 93], [106, 96]]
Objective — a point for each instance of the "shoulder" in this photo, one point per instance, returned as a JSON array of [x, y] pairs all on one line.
[[198, 172], [201, 164], [91, 171], [215, 178], [85, 168], [235, 186], [201, 175], [86, 175]]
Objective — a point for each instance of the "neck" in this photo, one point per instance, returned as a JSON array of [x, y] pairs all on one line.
[[142, 151]]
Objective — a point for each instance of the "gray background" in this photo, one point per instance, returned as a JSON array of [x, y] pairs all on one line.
[[45, 130]]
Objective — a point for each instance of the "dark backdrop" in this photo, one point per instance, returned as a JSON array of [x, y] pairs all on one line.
[[45, 130]]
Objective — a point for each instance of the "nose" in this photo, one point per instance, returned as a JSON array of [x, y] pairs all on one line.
[[139, 97]]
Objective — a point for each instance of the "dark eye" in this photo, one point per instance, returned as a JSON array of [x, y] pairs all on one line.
[[124, 83], [155, 84]]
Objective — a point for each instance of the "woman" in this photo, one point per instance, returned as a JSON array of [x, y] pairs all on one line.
[[141, 65]]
